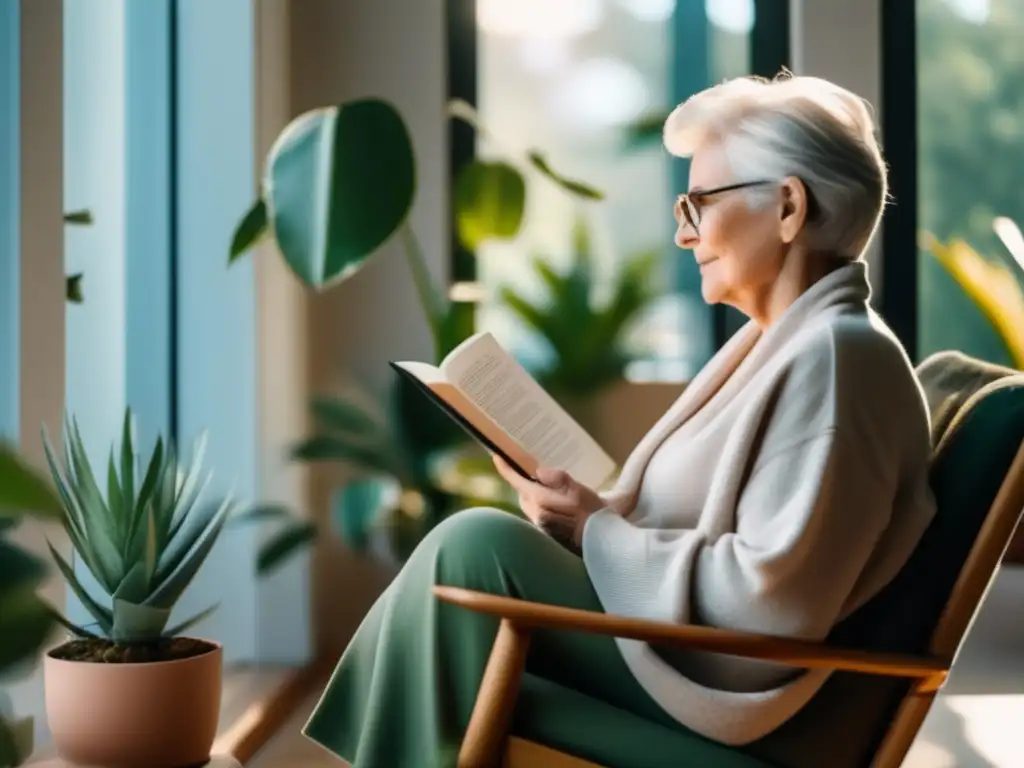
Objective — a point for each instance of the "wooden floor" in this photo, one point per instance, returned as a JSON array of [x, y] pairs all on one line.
[[977, 722]]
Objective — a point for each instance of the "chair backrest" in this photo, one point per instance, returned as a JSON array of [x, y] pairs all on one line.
[[978, 478]]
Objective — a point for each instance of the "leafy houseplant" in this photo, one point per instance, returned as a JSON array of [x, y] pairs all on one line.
[[26, 620], [339, 183], [586, 338], [412, 471], [111, 696]]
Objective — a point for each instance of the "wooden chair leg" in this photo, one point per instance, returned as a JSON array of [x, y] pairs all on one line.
[[484, 743]]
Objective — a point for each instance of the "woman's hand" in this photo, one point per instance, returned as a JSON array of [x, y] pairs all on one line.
[[557, 504]]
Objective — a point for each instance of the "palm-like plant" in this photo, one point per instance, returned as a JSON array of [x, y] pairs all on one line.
[[143, 541], [994, 285], [586, 338]]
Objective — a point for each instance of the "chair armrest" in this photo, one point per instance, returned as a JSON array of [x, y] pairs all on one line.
[[798, 653]]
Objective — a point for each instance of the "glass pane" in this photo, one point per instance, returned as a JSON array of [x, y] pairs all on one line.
[[971, 152], [575, 79]]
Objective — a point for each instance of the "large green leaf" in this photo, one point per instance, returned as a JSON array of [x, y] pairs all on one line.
[[16, 741], [646, 131], [250, 230], [23, 489], [10, 755], [339, 183], [19, 569], [490, 198], [360, 504], [573, 186], [339, 415], [328, 448], [25, 623], [283, 544]]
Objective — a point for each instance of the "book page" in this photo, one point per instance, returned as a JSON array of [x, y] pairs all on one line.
[[460, 408], [492, 379]]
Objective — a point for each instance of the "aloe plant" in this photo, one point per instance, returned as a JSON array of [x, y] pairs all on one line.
[[26, 621], [586, 337], [145, 539]]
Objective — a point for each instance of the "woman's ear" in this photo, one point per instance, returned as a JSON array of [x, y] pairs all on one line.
[[795, 204]]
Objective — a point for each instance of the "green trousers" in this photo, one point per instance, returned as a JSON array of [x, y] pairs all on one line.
[[403, 691]]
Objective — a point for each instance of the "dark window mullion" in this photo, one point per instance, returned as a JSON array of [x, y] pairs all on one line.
[[899, 266]]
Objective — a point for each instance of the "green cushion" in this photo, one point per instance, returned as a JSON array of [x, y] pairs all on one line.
[[849, 716]]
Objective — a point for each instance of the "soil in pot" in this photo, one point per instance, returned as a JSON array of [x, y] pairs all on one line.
[[103, 651]]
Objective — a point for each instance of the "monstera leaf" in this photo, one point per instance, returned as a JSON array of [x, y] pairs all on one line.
[[339, 182]]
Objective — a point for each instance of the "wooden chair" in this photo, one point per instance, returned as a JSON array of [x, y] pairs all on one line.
[[890, 657]]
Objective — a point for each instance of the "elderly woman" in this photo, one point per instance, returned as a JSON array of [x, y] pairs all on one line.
[[783, 489]]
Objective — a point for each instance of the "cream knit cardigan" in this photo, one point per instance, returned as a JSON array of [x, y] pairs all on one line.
[[815, 502]]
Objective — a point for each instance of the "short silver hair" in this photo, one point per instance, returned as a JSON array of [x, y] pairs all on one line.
[[795, 126]]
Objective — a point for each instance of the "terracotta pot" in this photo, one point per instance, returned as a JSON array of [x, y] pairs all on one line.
[[153, 715]]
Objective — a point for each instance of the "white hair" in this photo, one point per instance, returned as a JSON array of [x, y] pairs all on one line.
[[795, 126]]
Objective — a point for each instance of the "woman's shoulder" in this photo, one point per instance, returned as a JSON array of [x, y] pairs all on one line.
[[853, 370], [852, 344]]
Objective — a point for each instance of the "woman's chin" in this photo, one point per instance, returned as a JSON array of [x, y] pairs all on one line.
[[711, 291]]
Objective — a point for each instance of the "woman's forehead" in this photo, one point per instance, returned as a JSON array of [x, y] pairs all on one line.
[[709, 168]]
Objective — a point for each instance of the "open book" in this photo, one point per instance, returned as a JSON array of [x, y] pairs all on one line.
[[496, 401]]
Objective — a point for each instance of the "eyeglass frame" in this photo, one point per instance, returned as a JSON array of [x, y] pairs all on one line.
[[685, 207]]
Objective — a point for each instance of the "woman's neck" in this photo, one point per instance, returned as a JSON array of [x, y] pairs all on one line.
[[800, 271]]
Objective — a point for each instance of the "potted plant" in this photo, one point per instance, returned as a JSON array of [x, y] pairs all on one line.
[[25, 620], [129, 690], [586, 338], [353, 165], [414, 467]]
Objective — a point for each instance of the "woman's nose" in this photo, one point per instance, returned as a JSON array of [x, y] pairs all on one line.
[[686, 236]]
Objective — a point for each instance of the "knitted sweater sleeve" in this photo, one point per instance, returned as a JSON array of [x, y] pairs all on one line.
[[807, 521]]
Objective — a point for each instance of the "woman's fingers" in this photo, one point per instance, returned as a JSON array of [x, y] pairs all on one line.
[[527, 488], [513, 478]]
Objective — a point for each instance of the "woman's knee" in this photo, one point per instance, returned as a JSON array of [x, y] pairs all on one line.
[[476, 543]]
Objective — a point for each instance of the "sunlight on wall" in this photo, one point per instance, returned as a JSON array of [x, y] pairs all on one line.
[[974, 11], [539, 18]]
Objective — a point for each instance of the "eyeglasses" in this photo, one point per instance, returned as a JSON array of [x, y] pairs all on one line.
[[687, 205]]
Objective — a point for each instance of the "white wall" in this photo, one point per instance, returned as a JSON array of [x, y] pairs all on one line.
[[283, 620], [41, 316]]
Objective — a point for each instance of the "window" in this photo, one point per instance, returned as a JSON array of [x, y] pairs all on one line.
[[575, 79], [970, 153]]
